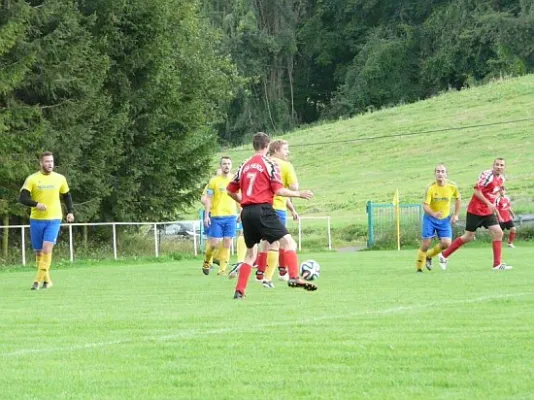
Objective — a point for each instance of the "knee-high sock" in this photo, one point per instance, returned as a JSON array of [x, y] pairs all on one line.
[[241, 248], [497, 247], [244, 273], [208, 255], [261, 262], [421, 257], [272, 263], [455, 245], [40, 276], [282, 267], [292, 263], [224, 257], [511, 237], [44, 266], [219, 251], [434, 251]]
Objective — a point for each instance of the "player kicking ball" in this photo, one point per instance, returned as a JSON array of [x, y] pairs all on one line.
[[254, 186]]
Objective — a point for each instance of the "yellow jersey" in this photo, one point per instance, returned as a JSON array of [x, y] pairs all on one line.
[[222, 205], [439, 197], [289, 177], [45, 189]]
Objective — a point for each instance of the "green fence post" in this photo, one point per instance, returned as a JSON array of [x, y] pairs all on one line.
[[370, 231]]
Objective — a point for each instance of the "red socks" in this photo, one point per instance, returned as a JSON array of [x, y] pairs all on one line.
[[511, 237], [244, 273], [455, 245], [282, 270], [292, 263], [497, 247]]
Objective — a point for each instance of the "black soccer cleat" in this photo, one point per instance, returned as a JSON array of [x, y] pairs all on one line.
[[428, 263], [298, 283], [35, 286], [206, 267], [238, 295], [47, 285]]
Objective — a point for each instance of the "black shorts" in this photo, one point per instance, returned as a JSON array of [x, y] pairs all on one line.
[[473, 221], [507, 225], [261, 222]]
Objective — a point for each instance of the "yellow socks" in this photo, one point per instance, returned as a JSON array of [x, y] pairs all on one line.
[[241, 248], [43, 273], [210, 250], [224, 257], [434, 251], [272, 263], [421, 258]]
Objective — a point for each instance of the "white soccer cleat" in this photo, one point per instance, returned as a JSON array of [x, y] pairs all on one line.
[[442, 262], [284, 278], [511, 245], [268, 284], [502, 266], [234, 271]]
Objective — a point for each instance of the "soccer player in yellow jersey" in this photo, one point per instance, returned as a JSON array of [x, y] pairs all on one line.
[[203, 198], [220, 215], [272, 256], [437, 219], [41, 191]]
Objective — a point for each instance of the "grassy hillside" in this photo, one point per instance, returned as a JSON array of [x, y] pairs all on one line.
[[367, 157]]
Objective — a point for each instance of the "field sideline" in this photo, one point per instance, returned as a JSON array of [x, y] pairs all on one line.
[[374, 329]]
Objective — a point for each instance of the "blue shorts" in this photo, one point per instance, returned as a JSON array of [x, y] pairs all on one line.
[[433, 226], [43, 230], [282, 215], [223, 227]]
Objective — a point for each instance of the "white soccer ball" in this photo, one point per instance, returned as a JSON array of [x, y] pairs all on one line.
[[310, 270]]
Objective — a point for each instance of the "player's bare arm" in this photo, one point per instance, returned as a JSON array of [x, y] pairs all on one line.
[[207, 210], [303, 194], [235, 196], [457, 205]]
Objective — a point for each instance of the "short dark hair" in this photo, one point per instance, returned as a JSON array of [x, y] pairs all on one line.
[[45, 154], [224, 158], [260, 141]]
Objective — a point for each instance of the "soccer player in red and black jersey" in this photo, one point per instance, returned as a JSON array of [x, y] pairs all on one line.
[[482, 211], [507, 216], [254, 186]]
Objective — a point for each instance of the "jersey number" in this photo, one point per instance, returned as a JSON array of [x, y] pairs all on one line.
[[251, 179]]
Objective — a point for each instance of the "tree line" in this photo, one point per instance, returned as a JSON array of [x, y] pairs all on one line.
[[134, 96]]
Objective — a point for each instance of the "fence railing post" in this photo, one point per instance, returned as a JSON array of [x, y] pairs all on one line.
[[71, 244], [370, 231], [114, 226], [23, 241], [156, 249]]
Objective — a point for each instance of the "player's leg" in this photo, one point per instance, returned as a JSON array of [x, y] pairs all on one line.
[[511, 235], [427, 233], [229, 231], [49, 240], [472, 223], [251, 220], [261, 260], [290, 246], [272, 262], [495, 230], [36, 235], [212, 244]]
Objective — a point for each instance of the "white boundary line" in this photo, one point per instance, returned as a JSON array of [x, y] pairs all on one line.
[[195, 333]]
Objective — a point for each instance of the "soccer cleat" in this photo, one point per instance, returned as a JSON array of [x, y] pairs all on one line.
[[206, 267], [299, 283], [259, 276], [284, 277], [419, 270], [502, 266], [428, 263], [234, 271], [268, 284], [35, 286], [47, 285], [238, 295], [442, 262], [511, 245]]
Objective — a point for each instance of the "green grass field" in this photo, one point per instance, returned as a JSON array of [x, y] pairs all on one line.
[[374, 330]]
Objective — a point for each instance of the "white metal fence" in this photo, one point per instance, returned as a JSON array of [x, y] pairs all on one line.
[[158, 230]]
